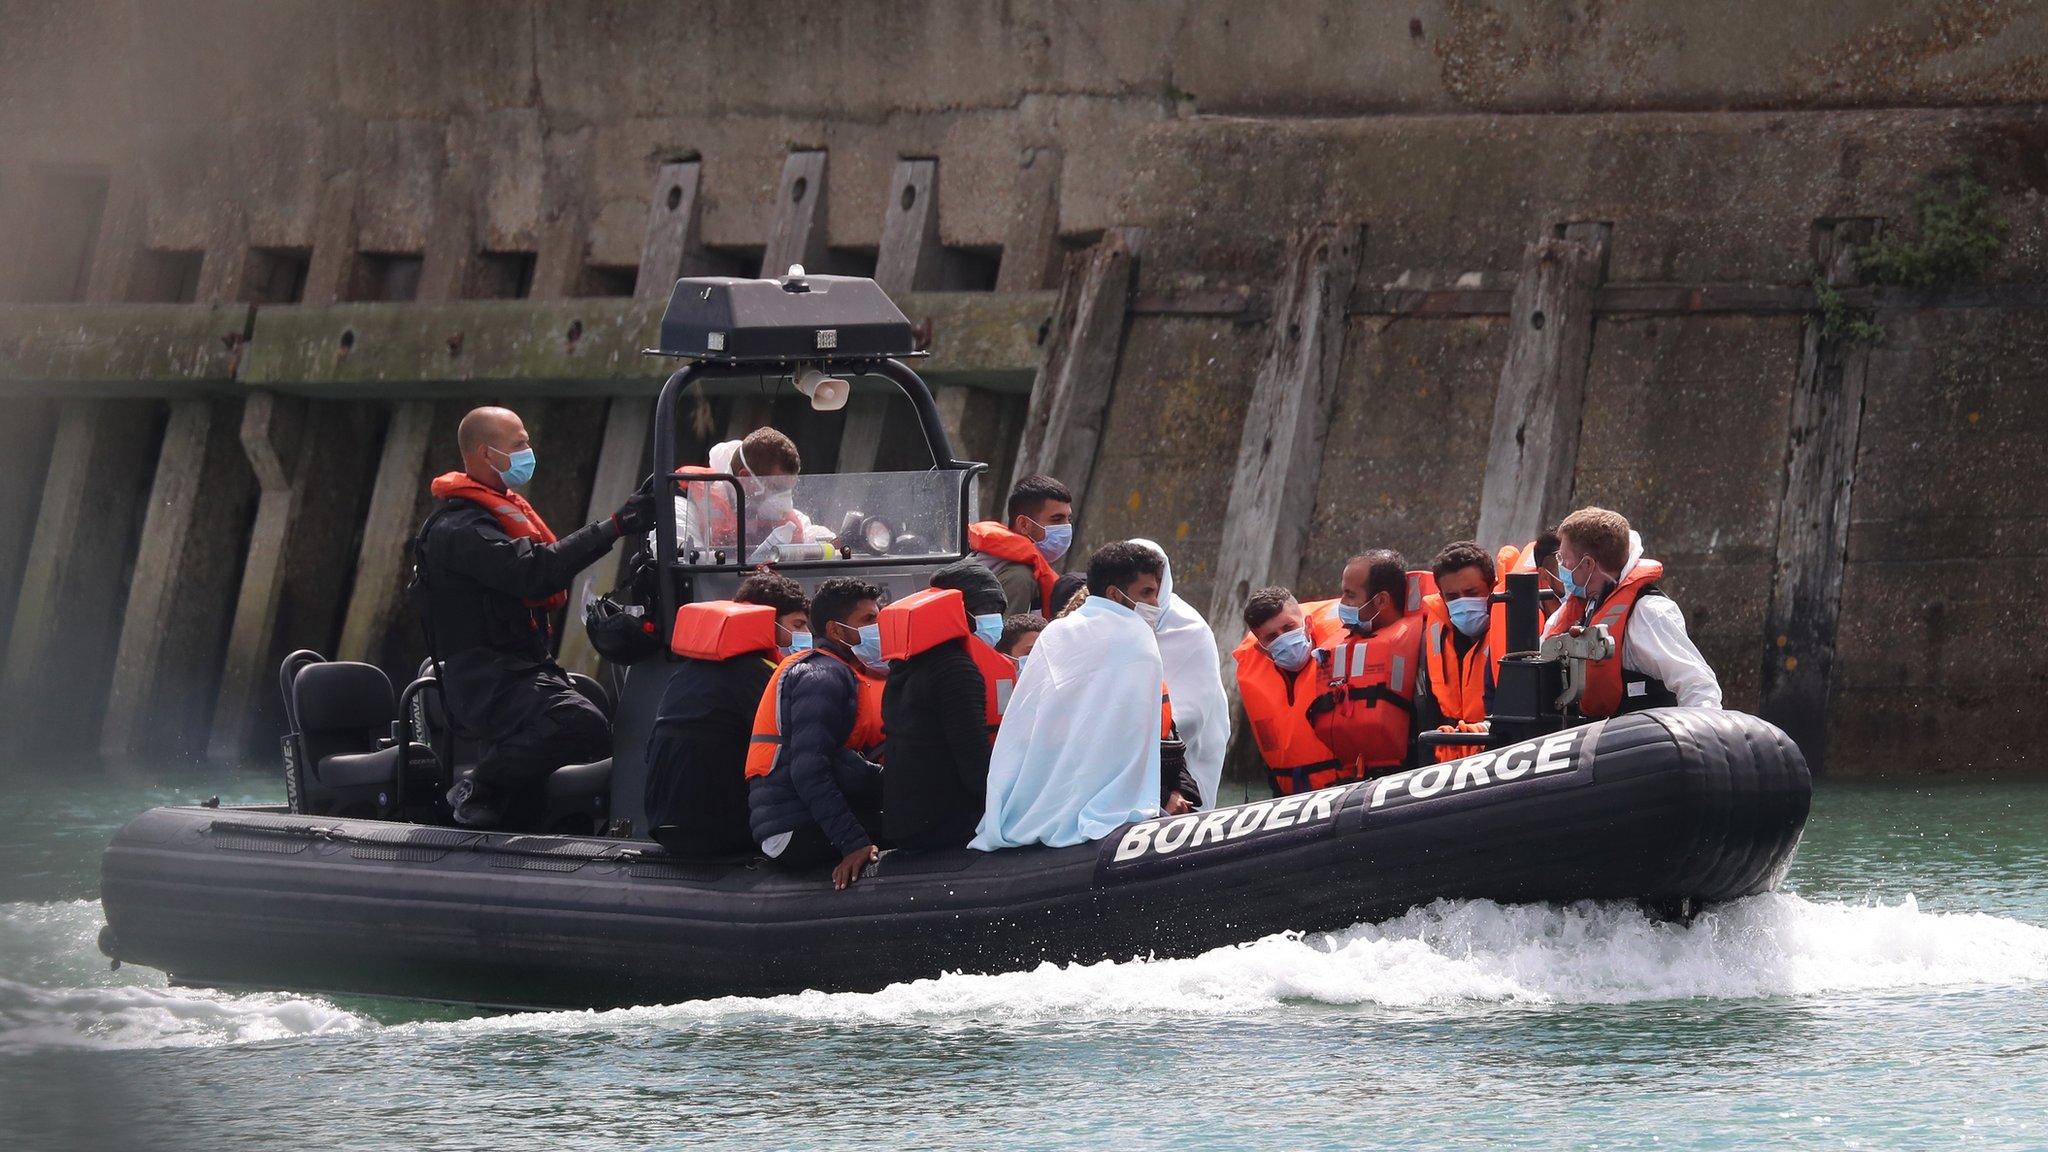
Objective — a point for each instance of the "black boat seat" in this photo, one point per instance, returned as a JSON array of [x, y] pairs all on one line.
[[344, 712], [579, 798]]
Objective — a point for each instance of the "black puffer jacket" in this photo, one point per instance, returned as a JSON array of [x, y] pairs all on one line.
[[817, 779], [936, 713], [697, 755]]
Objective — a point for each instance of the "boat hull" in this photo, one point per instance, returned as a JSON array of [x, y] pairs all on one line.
[[1675, 807]]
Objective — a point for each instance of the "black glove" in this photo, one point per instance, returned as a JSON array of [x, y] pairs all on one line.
[[636, 515]]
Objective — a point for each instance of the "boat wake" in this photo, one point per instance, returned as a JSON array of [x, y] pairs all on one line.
[[1446, 957]]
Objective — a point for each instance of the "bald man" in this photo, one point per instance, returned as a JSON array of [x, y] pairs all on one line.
[[492, 575]]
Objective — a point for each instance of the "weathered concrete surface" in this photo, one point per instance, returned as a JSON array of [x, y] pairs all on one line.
[[1684, 433], [1947, 576], [1456, 198], [1182, 392], [156, 350], [67, 618], [1406, 452]]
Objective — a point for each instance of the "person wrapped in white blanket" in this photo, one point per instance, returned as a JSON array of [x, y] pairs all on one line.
[[1078, 753]]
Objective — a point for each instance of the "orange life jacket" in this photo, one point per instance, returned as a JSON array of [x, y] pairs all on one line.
[[512, 513], [1369, 682], [924, 620], [1606, 695], [1463, 685], [1276, 703], [722, 629], [716, 497], [768, 740], [1004, 544], [1421, 583]]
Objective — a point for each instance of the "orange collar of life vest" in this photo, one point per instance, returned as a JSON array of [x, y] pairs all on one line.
[[509, 509]]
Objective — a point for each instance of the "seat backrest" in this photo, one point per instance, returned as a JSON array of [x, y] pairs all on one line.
[[431, 727], [342, 707]]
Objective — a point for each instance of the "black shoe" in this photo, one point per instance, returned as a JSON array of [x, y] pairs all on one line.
[[473, 809]]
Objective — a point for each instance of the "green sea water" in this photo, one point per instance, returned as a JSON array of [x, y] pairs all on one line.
[[1894, 995]]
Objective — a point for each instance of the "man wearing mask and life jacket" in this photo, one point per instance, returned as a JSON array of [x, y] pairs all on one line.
[[489, 576], [1538, 556], [947, 690], [1370, 665], [1607, 580], [1335, 703], [696, 794], [811, 795], [1465, 636], [1022, 551], [766, 465]]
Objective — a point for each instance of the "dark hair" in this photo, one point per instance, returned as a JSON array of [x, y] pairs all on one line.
[[1115, 565], [1385, 572], [1546, 546], [1461, 554], [1265, 604], [1063, 589], [775, 590], [836, 599], [1017, 627], [764, 447], [1029, 496]]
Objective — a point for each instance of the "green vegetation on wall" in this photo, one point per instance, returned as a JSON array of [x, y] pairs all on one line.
[[1957, 233]]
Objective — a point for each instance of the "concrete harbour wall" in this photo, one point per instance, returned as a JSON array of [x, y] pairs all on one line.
[[255, 259]]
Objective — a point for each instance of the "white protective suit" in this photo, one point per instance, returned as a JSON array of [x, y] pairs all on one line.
[[1194, 679], [691, 519], [1078, 753], [1656, 644]]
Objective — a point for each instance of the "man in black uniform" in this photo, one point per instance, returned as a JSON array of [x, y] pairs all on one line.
[[492, 574]]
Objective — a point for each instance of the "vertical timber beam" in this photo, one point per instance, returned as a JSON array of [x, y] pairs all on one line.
[[1813, 519], [798, 234], [373, 604], [1031, 243], [176, 625], [1534, 449], [67, 619], [270, 432], [673, 248], [1069, 398], [74, 580], [1280, 454], [908, 260]]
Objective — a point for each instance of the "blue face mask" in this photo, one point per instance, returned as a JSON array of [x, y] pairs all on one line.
[[1471, 614], [798, 642], [869, 650], [1289, 650], [1347, 615], [520, 470], [1019, 662], [1058, 538], [989, 626], [1571, 585]]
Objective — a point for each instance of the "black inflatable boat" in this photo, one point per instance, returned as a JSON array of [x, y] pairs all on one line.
[[1674, 807]]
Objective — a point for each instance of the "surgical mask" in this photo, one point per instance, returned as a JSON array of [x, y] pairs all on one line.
[[869, 650], [1572, 587], [1347, 615], [1290, 650], [519, 468], [1151, 614], [1471, 614], [1019, 662], [771, 505], [1058, 538], [989, 626], [798, 642]]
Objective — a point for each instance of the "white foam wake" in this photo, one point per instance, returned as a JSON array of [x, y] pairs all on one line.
[[57, 991], [1446, 956]]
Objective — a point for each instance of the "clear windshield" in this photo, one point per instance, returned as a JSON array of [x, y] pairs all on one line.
[[852, 517]]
